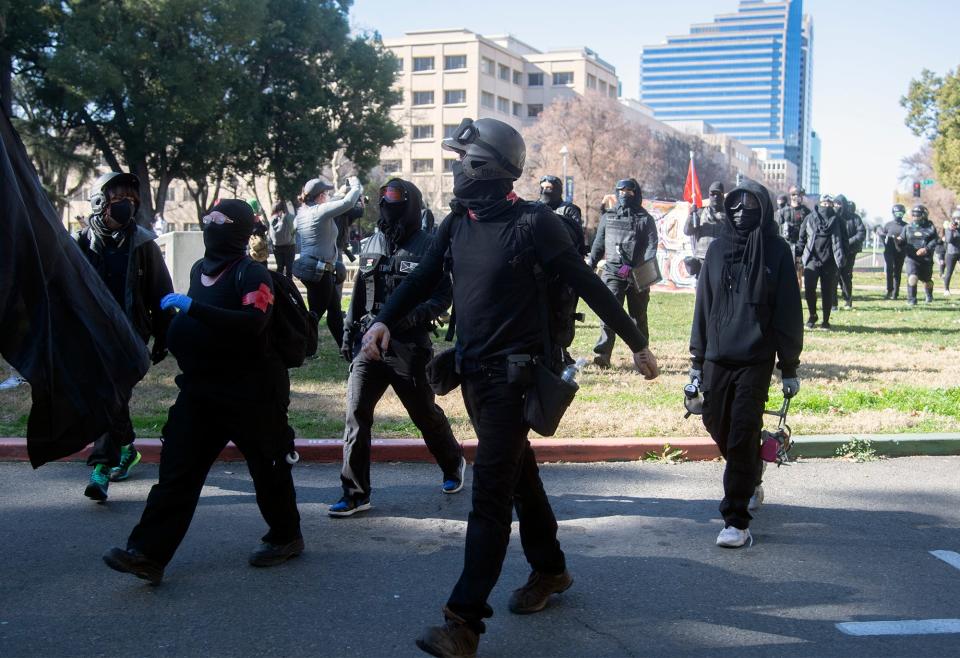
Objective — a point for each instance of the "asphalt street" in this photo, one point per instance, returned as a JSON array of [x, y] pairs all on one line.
[[836, 542]]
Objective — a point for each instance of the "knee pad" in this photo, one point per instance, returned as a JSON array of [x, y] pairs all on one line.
[[912, 279]]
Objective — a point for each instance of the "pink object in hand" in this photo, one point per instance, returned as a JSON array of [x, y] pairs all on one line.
[[624, 271], [769, 448]]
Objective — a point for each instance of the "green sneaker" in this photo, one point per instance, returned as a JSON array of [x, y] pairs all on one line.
[[99, 481], [129, 457]]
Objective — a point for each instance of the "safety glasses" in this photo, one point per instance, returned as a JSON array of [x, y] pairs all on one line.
[[216, 217], [626, 184]]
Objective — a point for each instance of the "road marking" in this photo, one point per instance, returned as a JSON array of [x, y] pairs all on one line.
[[908, 627], [950, 557]]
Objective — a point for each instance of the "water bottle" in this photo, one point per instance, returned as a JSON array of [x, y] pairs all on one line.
[[569, 373]]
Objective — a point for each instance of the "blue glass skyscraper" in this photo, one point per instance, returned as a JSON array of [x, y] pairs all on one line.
[[747, 74]]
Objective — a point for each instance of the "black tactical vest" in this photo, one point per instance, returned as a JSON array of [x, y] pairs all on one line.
[[621, 227], [919, 236], [383, 269]]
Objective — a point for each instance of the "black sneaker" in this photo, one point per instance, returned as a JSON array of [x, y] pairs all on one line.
[[825, 325], [348, 506], [812, 322], [455, 639], [533, 596], [132, 561], [601, 361], [270, 555]]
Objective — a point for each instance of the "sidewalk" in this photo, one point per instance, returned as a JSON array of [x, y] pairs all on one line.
[[567, 450]]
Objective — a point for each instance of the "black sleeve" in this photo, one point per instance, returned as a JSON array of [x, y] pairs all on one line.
[[256, 299], [597, 251], [701, 313], [160, 285], [652, 238], [575, 273], [788, 319], [802, 241], [358, 305], [931, 244], [861, 235], [420, 283], [431, 309]]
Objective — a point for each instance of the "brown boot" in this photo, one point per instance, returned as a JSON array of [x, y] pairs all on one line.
[[533, 596], [455, 639]]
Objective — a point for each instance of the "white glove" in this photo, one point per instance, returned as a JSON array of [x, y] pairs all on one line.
[[791, 386], [696, 377]]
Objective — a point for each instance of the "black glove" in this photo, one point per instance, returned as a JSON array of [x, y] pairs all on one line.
[[159, 352]]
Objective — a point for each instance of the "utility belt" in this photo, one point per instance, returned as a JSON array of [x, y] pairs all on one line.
[[308, 268]]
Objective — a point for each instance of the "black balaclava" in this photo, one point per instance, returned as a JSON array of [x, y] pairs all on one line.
[[716, 203], [484, 198], [227, 243], [399, 219], [782, 201], [555, 197], [630, 202], [840, 207], [746, 229]]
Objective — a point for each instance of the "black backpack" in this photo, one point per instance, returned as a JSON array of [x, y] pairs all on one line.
[[292, 331]]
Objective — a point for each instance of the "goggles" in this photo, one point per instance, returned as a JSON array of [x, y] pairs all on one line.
[[467, 134], [216, 217], [744, 200], [393, 194], [626, 184]]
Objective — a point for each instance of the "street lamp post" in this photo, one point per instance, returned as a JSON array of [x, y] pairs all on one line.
[[564, 152]]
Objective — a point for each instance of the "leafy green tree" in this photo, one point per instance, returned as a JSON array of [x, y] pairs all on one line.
[[933, 112]]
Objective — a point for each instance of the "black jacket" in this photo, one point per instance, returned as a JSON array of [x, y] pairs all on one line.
[[727, 328], [789, 224], [893, 236], [808, 233], [147, 282], [920, 235], [856, 233]]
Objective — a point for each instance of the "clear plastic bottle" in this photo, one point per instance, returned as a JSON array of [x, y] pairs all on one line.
[[569, 373]]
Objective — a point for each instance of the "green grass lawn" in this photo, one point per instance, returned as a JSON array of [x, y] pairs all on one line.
[[883, 368]]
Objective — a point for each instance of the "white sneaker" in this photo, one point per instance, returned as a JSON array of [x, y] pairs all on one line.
[[731, 537], [756, 500], [946, 293]]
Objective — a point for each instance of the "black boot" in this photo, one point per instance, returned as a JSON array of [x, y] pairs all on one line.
[[912, 295]]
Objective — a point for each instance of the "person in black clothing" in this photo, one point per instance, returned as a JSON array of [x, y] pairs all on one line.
[[233, 387], [856, 236], [782, 201], [130, 263], [790, 219], [626, 238], [496, 245], [389, 256], [919, 240], [822, 251], [747, 315], [893, 252], [951, 239], [551, 194], [704, 227]]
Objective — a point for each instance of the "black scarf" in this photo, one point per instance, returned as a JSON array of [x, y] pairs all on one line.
[[486, 199]]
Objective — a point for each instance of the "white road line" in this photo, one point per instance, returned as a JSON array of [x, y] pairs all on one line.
[[907, 627], [950, 557]]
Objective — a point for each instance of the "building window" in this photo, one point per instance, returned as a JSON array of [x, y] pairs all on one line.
[[534, 110], [423, 98], [612, 91], [503, 72], [535, 79], [398, 67], [423, 63], [423, 132], [503, 104], [422, 165], [449, 130], [486, 66], [517, 109], [171, 194], [448, 164], [486, 99], [603, 87], [454, 62], [454, 96], [518, 78], [390, 166], [591, 81], [562, 78]]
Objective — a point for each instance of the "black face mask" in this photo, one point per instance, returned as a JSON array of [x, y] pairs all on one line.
[[122, 211], [745, 219], [829, 212], [549, 199], [716, 202], [226, 243], [469, 189], [391, 219], [627, 201]]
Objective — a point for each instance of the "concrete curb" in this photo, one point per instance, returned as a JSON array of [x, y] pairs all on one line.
[[564, 450]]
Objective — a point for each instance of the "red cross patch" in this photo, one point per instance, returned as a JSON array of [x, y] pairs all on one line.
[[260, 298]]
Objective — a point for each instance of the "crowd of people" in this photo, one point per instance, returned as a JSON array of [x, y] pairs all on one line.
[[504, 276]]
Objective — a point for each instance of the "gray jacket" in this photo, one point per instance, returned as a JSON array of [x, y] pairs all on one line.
[[281, 230], [318, 231]]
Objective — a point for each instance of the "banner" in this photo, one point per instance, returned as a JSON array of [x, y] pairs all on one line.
[[674, 246]]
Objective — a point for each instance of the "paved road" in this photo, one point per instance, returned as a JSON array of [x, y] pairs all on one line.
[[836, 542]]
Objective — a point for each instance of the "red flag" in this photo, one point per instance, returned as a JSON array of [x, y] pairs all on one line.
[[691, 189]]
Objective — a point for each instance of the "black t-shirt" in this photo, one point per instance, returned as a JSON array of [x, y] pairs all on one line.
[[115, 262], [221, 343]]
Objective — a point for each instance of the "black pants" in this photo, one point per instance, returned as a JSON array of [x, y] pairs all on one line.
[[284, 255], [826, 274], [950, 262], [403, 369], [319, 296], [505, 477], [846, 279], [106, 449], [893, 267], [637, 302], [196, 431], [733, 402]]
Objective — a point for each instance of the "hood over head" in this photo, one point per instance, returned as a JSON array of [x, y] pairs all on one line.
[[400, 219], [745, 239], [226, 241]]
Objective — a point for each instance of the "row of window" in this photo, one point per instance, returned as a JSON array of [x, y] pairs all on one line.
[[488, 67], [417, 165], [450, 97], [425, 130]]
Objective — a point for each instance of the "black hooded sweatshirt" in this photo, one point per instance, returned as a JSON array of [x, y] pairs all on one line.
[[748, 301]]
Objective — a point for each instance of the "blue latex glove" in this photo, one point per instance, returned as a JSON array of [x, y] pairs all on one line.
[[791, 386], [177, 301]]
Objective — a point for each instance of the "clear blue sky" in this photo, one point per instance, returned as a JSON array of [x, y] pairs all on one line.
[[865, 54]]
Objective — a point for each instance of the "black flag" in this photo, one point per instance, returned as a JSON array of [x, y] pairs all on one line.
[[59, 325]]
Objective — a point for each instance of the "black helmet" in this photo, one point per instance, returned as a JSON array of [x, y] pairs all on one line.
[[630, 184], [898, 210], [919, 211], [489, 149], [98, 192]]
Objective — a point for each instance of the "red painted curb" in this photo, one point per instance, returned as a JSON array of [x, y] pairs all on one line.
[[414, 450]]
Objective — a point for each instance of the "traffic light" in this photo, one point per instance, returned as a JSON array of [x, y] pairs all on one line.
[[916, 189]]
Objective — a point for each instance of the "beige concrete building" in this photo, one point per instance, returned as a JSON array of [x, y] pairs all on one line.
[[741, 158], [447, 75]]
